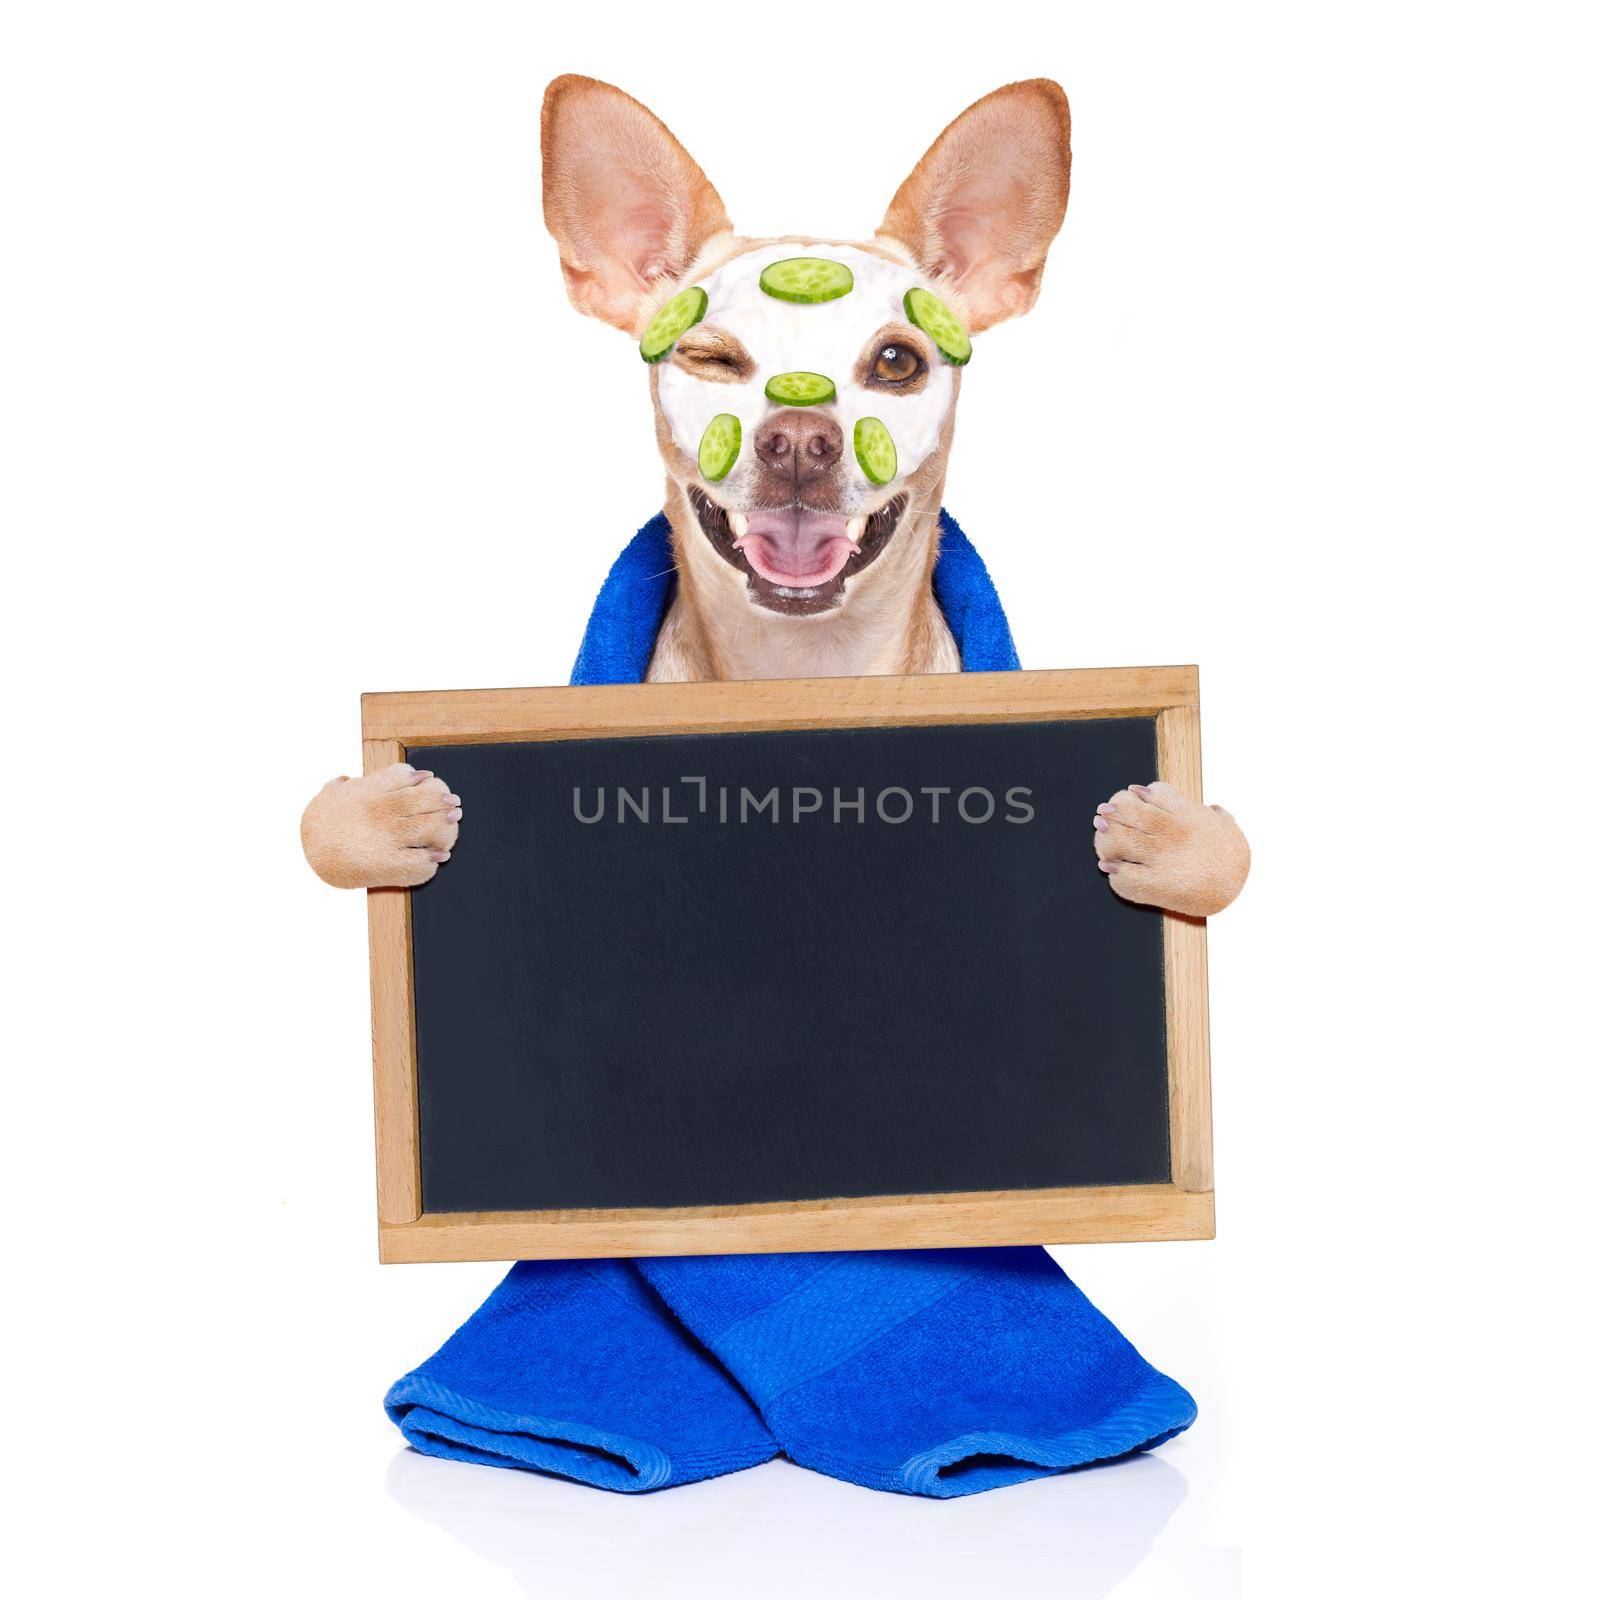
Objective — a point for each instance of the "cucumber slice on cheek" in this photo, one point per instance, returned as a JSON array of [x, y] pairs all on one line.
[[807, 280], [938, 321], [800, 389], [719, 447], [875, 451], [671, 322]]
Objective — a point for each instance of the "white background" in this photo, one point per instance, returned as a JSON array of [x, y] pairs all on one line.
[[294, 406]]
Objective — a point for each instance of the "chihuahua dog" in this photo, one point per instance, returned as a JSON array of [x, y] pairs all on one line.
[[805, 394]]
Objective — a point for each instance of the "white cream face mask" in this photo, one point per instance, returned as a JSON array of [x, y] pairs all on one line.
[[797, 343]]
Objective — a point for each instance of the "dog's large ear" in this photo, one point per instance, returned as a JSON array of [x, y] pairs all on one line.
[[983, 204], [624, 200]]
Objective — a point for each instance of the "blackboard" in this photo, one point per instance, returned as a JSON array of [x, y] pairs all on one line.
[[713, 973]]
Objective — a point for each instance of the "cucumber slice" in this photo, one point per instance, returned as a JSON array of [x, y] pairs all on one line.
[[800, 389], [938, 321], [875, 451], [807, 280], [719, 446], [672, 321]]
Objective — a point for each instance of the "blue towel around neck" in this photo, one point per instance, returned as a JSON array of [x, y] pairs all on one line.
[[929, 1372], [633, 601]]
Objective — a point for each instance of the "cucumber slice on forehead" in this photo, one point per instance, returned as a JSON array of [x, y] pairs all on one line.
[[807, 280], [719, 446], [875, 451], [672, 321], [938, 321], [800, 389]]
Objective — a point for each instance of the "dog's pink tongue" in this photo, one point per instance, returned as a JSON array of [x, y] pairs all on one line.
[[796, 549]]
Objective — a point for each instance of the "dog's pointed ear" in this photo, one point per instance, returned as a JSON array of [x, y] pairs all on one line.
[[983, 204], [624, 200]]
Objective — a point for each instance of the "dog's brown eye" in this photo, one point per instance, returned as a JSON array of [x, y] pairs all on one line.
[[896, 363]]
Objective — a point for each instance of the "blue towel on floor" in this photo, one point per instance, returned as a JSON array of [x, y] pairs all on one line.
[[931, 1372], [575, 1368]]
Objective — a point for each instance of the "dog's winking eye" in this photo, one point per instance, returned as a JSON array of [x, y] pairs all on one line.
[[713, 355], [896, 363]]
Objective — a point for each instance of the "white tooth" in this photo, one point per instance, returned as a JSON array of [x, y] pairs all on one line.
[[739, 523], [854, 529]]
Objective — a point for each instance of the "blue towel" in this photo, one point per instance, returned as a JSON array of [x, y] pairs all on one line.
[[575, 1368], [930, 1372]]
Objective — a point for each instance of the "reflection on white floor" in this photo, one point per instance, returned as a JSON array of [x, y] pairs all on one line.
[[1075, 1537]]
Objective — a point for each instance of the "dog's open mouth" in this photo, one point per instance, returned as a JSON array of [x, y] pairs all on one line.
[[796, 560]]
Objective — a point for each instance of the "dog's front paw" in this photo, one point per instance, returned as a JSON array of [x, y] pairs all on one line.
[[388, 830], [1160, 848]]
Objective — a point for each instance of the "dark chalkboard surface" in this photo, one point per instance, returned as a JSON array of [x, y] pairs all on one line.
[[794, 1002]]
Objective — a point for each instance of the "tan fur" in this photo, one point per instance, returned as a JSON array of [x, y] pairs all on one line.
[[389, 829], [625, 201], [980, 209], [634, 219], [1161, 848]]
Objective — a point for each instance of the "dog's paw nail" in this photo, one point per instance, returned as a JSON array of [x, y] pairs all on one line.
[[1102, 825], [453, 816], [452, 799], [420, 777], [438, 855], [1106, 809], [1109, 866], [1139, 788]]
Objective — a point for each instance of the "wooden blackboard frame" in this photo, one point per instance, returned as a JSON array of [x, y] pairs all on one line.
[[1180, 1209]]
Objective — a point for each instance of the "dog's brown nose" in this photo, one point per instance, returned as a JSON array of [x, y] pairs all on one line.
[[799, 444]]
